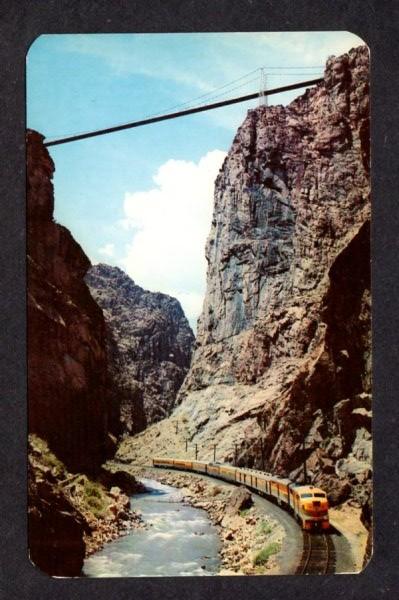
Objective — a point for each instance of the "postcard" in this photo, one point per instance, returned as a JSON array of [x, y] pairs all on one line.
[[199, 305]]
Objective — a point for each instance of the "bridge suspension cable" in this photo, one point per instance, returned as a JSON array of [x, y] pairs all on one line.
[[190, 111]]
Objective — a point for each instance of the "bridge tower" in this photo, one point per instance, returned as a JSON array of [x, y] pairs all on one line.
[[263, 100]]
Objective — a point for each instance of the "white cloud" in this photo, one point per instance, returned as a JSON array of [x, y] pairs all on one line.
[[107, 250], [171, 222]]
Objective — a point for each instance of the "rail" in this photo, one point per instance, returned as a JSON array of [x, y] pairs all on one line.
[[318, 556]]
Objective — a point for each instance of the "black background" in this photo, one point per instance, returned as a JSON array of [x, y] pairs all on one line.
[[377, 23]]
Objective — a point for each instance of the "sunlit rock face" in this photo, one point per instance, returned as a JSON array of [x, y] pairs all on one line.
[[149, 342], [68, 399], [283, 347]]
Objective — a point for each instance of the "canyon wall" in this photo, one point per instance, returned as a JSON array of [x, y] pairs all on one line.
[[149, 342], [88, 380], [74, 416], [281, 371], [68, 399], [288, 296], [287, 307]]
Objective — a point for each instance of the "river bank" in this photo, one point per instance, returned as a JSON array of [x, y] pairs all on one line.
[[250, 541], [116, 521], [178, 540], [72, 516]]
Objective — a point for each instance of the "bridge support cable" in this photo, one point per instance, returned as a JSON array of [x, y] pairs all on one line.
[[183, 113]]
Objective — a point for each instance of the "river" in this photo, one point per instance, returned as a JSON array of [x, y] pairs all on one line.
[[179, 540]]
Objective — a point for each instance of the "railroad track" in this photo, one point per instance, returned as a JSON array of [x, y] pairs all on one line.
[[318, 557]]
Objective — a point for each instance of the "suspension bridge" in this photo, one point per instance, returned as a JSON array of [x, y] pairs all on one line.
[[262, 94]]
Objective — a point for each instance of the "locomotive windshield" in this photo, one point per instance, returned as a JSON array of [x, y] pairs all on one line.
[[306, 495]]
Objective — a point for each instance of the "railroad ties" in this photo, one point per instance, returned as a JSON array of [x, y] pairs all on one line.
[[318, 556]]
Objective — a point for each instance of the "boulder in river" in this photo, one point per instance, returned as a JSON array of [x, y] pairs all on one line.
[[121, 479]]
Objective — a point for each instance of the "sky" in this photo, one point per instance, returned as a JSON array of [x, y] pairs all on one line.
[[142, 199]]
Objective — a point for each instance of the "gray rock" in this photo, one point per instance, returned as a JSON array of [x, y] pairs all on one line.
[[240, 499], [149, 344]]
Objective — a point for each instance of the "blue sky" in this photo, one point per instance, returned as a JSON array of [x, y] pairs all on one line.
[[142, 199]]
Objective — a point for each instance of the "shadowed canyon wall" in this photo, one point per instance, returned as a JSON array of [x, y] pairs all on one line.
[[69, 405], [67, 366]]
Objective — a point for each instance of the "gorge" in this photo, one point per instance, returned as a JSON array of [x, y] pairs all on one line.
[[280, 372]]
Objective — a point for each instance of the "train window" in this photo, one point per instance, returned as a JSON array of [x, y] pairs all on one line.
[[306, 495], [319, 495]]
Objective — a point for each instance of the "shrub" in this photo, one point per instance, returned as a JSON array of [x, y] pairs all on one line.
[[96, 506], [263, 556], [94, 498], [92, 489], [264, 528], [39, 448]]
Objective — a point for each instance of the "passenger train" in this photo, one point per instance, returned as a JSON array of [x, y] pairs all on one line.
[[308, 504]]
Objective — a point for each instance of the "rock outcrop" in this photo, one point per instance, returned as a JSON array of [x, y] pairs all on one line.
[[69, 404], [150, 344], [287, 307], [56, 527], [71, 516], [281, 372]]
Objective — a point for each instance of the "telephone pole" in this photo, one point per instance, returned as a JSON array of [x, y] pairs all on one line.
[[214, 452], [305, 473], [196, 451], [262, 449], [235, 454]]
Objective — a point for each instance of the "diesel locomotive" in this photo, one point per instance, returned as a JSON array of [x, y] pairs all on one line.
[[307, 503]]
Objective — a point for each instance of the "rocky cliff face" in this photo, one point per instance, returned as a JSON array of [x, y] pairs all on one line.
[[283, 347], [288, 300], [67, 368], [150, 344]]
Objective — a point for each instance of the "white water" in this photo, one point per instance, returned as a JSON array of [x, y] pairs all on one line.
[[179, 541]]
